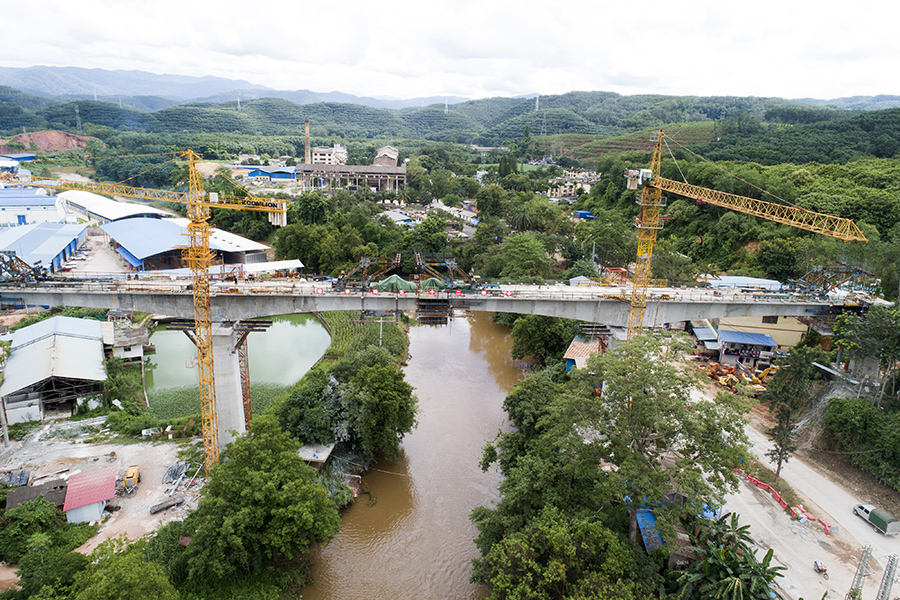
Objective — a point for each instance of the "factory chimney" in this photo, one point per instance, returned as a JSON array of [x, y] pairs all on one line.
[[307, 157]]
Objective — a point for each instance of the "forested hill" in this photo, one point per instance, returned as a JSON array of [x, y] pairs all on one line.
[[489, 121]]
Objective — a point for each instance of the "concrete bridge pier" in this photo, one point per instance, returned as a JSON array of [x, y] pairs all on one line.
[[227, 377]]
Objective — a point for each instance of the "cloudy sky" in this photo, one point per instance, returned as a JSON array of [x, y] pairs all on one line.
[[476, 48]]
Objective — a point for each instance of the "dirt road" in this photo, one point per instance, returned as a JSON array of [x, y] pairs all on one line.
[[798, 546]]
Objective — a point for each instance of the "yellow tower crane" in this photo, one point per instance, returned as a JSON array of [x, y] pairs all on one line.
[[199, 258], [651, 203]]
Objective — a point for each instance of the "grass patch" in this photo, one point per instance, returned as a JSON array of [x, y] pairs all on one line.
[[176, 403], [766, 475]]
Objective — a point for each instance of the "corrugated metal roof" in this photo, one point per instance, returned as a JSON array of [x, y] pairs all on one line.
[[39, 241], [705, 333], [57, 347], [145, 237], [18, 196], [53, 492], [106, 209], [90, 487], [646, 521], [711, 345], [740, 337], [729, 281]]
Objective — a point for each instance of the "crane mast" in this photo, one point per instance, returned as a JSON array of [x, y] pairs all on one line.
[[651, 203], [199, 258]]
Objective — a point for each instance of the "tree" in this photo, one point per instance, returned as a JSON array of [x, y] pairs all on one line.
[[559, 557], [544, 338], [661, 440], [729, 568], [116, 569], [388, 409], [523, 256], [309, 208], [787, 394], [262, 504], [55, 570]]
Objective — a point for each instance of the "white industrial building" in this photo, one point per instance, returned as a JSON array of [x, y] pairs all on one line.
[[94, 208], [51, 365], [25, 206]]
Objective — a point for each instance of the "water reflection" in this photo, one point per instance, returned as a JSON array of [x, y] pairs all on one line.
[[416, 542], [281, 355]]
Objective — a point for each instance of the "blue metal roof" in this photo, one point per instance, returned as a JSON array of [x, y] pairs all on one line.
[[40, 241], [646, 521], [17, 196], [739, 337], [146, 237], [705, 333]]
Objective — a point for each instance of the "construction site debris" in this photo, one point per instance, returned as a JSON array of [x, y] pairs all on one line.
[[175, 472], [164, 505]]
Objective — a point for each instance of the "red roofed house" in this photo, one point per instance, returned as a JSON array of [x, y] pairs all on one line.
[[88, 493]]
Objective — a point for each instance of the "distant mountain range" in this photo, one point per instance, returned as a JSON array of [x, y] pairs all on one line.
[[149, 91], [63, 98]]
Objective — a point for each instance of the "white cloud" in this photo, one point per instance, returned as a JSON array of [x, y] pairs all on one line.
[[789, 48]]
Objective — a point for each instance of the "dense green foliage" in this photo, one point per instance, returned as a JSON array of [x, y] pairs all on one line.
[[261, 506], [36, 518], [564, 433], [729, 567], [871, 436]]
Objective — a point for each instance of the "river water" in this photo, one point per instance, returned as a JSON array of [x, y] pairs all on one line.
[[416, 540]]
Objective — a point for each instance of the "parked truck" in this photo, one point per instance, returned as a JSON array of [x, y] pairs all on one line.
[[880, 519]]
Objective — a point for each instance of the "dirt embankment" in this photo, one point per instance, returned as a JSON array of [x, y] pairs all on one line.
[[48, 141]]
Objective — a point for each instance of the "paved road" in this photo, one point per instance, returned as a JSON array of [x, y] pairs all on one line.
[[797, 546]]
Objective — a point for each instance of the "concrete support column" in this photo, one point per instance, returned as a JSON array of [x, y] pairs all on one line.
[[227, 373]]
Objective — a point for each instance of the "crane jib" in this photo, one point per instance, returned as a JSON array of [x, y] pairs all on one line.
[[801, 218]]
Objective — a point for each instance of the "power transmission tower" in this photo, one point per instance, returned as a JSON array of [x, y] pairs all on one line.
[[862, 571], [887, 582], [78, 122]]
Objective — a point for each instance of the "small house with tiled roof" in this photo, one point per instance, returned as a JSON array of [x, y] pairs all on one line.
[[580, 350], [88, 494]]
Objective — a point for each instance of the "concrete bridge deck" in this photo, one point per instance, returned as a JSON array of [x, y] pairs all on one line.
[[246, 300]]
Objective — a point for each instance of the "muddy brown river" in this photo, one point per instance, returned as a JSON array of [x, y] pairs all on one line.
[[416, 541]]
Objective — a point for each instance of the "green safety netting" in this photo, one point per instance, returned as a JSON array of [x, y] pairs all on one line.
[[394, 283], [433, 283]]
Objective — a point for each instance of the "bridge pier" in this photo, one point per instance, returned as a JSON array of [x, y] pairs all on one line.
[[227, 377]]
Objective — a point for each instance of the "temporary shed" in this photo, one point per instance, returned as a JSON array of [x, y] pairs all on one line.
[[51, 364], [579, 351], [394, 283], [47, 244], [728, 281], [53, 492], [88, 494]]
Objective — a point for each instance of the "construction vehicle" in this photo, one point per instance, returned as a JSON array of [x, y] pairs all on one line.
[[650, 222], [132, 478], [199, 257]]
